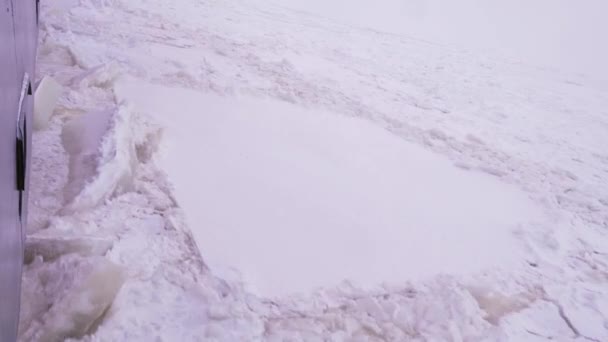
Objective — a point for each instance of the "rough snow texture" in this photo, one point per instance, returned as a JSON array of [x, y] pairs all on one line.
[[544, 132]]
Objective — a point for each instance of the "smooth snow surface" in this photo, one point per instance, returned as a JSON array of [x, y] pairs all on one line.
[[297, 199]]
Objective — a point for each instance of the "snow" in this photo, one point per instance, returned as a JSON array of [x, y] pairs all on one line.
[[82, 300], [558, 34], [529, 139], [265, 183]]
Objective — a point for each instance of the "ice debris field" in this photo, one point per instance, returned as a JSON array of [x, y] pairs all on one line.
[[242, 171]]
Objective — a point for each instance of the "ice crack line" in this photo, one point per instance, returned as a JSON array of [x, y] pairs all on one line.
[[566, 319]]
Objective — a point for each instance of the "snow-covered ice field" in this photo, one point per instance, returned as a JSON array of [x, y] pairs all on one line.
[[300, 199], [239, 171]]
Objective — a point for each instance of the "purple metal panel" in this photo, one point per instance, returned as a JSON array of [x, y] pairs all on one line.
[[18, 40]]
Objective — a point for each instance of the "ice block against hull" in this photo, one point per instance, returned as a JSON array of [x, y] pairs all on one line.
[[18, 41]]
